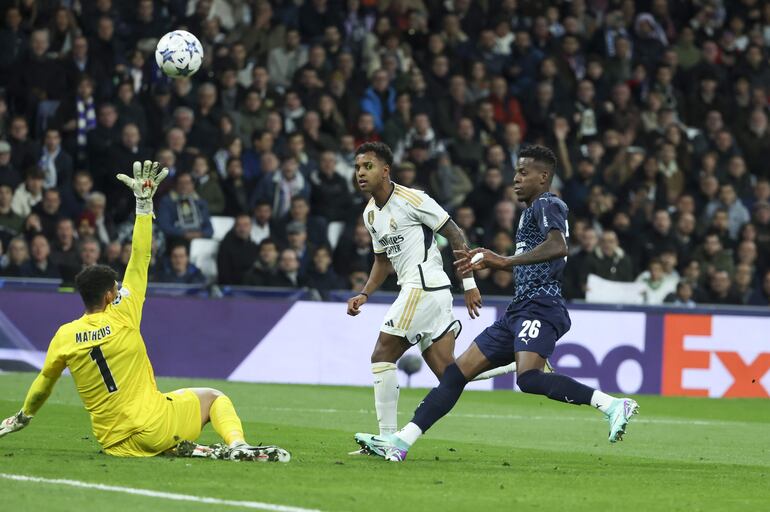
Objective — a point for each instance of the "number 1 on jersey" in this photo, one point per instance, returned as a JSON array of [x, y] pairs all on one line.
[[98, 357]]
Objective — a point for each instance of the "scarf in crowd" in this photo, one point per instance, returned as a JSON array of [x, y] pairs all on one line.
[[86, 120], [285, 190], [48, 165], [187, 212]]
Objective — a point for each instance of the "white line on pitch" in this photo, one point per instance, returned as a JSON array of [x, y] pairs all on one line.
[[591, 418], [155, 494]]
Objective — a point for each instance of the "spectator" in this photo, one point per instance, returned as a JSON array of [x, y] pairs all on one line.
[[744, 281], [237, 252], [484, 197], [464, 149], [737, 214], [16, 258], [39, 266], [576, 269], [466, 220], [288, 275], [265, 269], [278, 188], [9, 175], [89, 251], [262, 223], [400, 120], [237, 189], [354, 252], [11, 223], [74, 198], [49, 212], [55, 163], [500, 284], [609, 261], [105, 231], [713, 257], [450, 183], [761, 296], [182, 214], [76, 117], [316, 140], [64, 254], [379, 99], [24, 150], [329, 193], [102, 142], [683, 296], [320, 275], [297, 239], [658, 239], [657, 286], [207, 185], [179, 270], [29, 193], [285, 60], [720, 290]]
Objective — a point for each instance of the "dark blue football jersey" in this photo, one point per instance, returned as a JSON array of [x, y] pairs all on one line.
[[540, 279]]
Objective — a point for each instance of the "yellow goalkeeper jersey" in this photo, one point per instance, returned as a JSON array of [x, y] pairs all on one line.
[[107, 357]]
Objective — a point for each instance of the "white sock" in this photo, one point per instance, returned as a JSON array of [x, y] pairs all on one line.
[[386, 396], [601, 401], [409, 434], [494, 372]]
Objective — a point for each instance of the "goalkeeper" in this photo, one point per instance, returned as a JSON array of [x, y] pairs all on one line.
[[106, 355]]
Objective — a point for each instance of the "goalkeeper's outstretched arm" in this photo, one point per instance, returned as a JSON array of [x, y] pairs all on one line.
[[38, 392], [144, 184]]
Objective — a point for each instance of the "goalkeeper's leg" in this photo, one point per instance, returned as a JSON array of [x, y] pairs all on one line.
[[218, 409]]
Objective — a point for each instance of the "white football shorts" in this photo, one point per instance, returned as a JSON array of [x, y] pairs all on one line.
[[421, 317]]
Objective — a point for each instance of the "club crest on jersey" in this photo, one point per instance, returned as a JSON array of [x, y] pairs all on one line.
[[393, 225], [370, 217]]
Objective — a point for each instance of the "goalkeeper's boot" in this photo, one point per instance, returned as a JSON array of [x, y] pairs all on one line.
[[619, 414], [548, 368], [195, 450], [246, 452], [390, 447]]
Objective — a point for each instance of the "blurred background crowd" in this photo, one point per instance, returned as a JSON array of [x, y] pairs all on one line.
[[657, 111]]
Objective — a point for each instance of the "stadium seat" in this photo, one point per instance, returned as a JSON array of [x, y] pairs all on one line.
[[221, 226], [203, 254], [334, 232]]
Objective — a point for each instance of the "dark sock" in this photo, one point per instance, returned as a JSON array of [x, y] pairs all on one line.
[[555, 386], [441, 399]]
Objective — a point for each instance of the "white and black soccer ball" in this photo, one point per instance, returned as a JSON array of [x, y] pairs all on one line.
[[179, 53]]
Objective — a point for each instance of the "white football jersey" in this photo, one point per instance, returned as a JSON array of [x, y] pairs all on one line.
[[403, 229]]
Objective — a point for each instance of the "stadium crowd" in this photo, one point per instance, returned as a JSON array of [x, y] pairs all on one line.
[[657, 111]]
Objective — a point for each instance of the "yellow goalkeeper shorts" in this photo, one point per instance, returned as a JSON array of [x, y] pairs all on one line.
[[179, 420]]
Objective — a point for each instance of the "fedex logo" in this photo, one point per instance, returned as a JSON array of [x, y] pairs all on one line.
[[716, 356], [612, 351]]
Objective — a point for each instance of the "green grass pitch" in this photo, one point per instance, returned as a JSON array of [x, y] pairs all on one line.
[[495, 451]]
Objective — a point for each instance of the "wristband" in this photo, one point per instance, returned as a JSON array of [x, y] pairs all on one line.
[[144, 205], [469, 283], [364, 294]]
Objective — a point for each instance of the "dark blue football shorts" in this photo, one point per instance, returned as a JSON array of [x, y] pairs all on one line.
[[532, 325]]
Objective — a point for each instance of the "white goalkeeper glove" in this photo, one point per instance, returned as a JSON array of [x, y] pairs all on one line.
[[144, 184], [15, 423]]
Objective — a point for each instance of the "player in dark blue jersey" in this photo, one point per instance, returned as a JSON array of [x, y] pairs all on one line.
[[527, 332]]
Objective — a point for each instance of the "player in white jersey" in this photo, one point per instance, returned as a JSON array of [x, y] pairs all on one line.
[[402, 222]]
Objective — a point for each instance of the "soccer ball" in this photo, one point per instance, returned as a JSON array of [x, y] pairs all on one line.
[[179, 53]]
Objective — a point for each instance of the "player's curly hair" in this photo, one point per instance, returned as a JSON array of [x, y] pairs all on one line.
[[541, 154], [93, 282], [381, 150]]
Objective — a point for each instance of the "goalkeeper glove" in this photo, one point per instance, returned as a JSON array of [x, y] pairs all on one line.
[[15, 423], [144, 184]]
